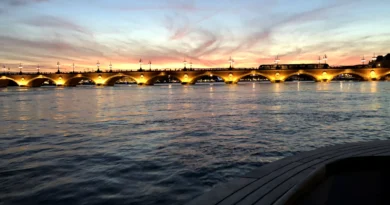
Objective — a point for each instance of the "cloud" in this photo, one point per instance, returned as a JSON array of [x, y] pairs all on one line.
[[180, 25], [50, 49], [55, 22], [276, 21], [177, 25], [175, 5], [21, 2]]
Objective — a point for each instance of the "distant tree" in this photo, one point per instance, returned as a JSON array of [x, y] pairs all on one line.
[[387, 57]]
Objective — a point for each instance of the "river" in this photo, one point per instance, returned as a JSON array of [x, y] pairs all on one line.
[[166, 144]]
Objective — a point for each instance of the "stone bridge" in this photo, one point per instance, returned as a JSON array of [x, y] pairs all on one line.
[[187, 77]]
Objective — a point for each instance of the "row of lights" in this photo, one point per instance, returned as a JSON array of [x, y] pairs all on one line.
[[58, 67], [325, 58], [364, 60], [231, 62], [140, 65], [110, 66]]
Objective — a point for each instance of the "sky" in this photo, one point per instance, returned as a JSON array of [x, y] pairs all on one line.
[[204, 32]]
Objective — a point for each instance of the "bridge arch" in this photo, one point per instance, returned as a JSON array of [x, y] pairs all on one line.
[[350, 72], [5, 81], [74, 81], [152, 80], [238, 78], [38, 81], [209, 74], [305, 74], [110, 81]]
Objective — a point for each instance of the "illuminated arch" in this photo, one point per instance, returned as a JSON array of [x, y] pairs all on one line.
[[197, 77], [347, 72], [315, 78], [237, 79], [110, 81], [74, 81], [153, 79], [4, 81], [38, 81]]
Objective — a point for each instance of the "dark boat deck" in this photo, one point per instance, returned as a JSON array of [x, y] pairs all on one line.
[[274, 182]]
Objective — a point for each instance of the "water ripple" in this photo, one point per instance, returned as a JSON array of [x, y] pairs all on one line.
[[166, 145]]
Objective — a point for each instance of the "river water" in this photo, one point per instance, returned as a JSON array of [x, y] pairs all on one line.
[[166, 144]]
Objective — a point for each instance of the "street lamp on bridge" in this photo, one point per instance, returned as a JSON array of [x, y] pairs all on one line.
[[150, 65], [231, 63], [4, 69], [374, 57], [20, 68], [73, 67], [58, 67], [325, 58], [374, 65], [190, 65], [319, 61], [277, 60], [98, 67], [110, 67], [38, 69], [140, 64], [363, 60], [185, 64]]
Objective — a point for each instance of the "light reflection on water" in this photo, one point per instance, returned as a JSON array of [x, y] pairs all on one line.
[[166, 144]]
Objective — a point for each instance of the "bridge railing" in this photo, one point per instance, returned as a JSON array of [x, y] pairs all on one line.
[[181, 69], [119, 71]]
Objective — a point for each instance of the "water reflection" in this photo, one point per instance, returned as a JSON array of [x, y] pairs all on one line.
[[277, 87], [211, 92], [374, 86], [160, 144]]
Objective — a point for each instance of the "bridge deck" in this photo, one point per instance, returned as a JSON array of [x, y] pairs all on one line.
[[271, 183]]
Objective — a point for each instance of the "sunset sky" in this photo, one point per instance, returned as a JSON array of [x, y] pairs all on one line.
[[205, 32]]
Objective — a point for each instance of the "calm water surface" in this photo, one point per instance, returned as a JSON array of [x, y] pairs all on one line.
[[167, 144]]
